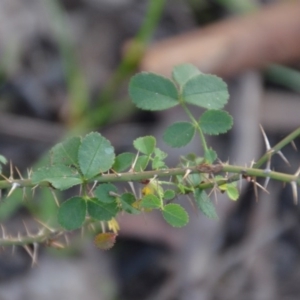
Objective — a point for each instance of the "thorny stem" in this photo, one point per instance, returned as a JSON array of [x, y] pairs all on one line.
[[139, 176], [288, 139]]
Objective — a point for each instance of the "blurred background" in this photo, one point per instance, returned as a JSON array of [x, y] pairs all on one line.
[[64, 70]]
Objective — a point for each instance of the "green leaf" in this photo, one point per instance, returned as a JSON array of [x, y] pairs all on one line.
[[210, 155], [204, 204], [3, 161], [175, 215], [206, 91], [215, 122], [141, 163], [195, 179], [9, 207], [232, 192], [145, 145], [157, 163], [102, 192], [182, 73], [71, 213], [151, 201], [179, 134], [169, 194], [102, 211], [127, 200], [123, 162], [158, 160], [150, 91], [96, 155], [61, 177], [160, 154], [66, 153]]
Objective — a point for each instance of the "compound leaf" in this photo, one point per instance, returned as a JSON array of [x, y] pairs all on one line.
[[182, 73]]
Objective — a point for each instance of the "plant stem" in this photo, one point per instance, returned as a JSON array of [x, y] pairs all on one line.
[[288, 139], [201, 135], [139, 176]]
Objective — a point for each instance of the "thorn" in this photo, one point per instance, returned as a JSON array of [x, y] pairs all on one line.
[[267, 143], [54, 197], [32, 253], [45, 225], [132, 188], [255, 189], [117, 174], [4, 236], [24, 195], [267, 171], [240, 181], [260, 186], [19, 173], [11, 172], [26, 229], [67, 240], [295, 192], [134, 162], [35, 254], [13, 187], [33, 190], [29, 172], [92, 188], [297, 172], [294, 145], [283, 158], [187, 172], [102, 226], [93, 227]]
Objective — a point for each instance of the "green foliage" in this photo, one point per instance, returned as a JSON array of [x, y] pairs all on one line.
[[151, 201], [60, 177], [90, 161], [72, 213], [66, 153], [100, 210], [207, 91], [179, 134], [182, 73], [123, 162], [104, 192], [95, 155], [204, 204], [3, 161], [215, 122], [175, 215], [152, 92], [145, 145]]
